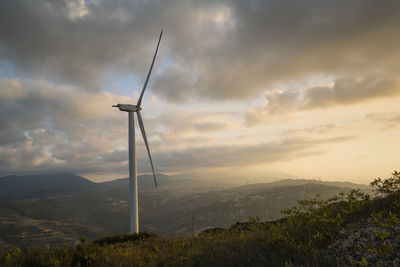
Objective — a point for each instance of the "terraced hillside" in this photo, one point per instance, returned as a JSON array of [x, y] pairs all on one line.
[[54, 214]]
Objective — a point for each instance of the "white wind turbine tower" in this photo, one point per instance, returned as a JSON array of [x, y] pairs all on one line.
[[133, 185]]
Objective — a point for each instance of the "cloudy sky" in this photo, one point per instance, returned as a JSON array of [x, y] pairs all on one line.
[[309, 89]]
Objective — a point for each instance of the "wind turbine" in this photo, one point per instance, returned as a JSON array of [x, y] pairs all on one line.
[[133, 188]]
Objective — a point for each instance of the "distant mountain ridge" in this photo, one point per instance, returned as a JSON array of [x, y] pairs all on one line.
[[26, 185], [297, 182], [30, 185], [16, 186], [145, 181]]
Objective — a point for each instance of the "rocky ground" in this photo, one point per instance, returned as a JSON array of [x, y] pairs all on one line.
[[370, 244]]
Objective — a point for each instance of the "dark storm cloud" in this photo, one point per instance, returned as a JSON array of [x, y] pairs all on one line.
[[275, 41], [215, 49], [50, 39]]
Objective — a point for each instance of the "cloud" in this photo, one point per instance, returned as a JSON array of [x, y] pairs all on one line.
[[211, 126], [274, 41], [31, 104], [281, 101], [76, 42], [343, 91], [115, 156], [207, 157], [350, 90], [174, 84], [56, 128], [56, 116], [318, 129], [49, 127], [77, 9], [216, 50], [387, 121]]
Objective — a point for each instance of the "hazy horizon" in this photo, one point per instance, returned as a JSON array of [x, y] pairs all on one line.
[[214, 180], [254, 89]]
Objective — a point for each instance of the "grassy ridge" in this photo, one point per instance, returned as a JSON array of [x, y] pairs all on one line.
[[302, 238]]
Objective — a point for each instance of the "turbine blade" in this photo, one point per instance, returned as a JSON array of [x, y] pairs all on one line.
[[147, 145], [148, 74]]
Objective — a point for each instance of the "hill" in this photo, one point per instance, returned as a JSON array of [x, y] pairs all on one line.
[[78, 208], [353, 229], [15, 186]]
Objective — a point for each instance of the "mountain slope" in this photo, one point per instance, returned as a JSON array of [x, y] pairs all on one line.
[[89, 209]]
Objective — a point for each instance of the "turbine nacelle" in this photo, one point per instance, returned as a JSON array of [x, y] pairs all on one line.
[[127, 107]]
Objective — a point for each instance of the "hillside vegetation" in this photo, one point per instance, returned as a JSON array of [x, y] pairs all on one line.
[[64, 207], [351, 229]]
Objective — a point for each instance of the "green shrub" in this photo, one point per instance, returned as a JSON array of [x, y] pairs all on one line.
[[124, 238], [387, 186]]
